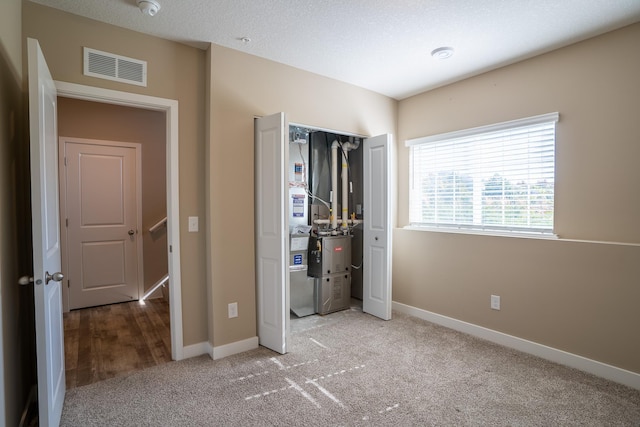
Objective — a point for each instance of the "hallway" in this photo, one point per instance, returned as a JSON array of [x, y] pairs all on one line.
[[107, 341]]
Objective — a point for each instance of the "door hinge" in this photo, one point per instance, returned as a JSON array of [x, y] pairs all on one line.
[[66, 222], [170, 249], [69, 284], [65, 160]]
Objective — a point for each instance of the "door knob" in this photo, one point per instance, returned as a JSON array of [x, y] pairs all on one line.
[[25, 280], [131, 232], [56, 277]]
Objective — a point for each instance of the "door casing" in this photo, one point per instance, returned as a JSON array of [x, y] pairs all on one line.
[[170, 108]]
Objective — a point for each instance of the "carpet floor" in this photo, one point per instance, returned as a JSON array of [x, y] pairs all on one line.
[[351, 369]]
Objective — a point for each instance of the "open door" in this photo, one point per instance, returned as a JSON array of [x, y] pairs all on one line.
[[46, 238], [376, 286], [272, 231]]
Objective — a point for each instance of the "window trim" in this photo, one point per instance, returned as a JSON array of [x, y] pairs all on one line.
[[483, 229], [483, 232]]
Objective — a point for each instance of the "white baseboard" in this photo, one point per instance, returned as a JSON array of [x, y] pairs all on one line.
[[594, 367], [195, 350], [221, 351], [234, 348]]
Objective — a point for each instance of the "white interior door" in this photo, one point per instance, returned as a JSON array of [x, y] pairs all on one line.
[[272, 231], [46, 238], [100, 184], [376, 286]]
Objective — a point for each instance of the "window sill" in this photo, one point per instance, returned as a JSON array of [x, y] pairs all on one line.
[[491, 233]]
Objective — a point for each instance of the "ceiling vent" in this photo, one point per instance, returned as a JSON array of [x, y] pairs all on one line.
[[104, 65]]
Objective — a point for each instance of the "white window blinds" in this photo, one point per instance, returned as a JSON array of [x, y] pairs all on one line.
[[497, 177]]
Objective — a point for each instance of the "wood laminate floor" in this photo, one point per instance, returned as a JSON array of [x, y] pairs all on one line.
[[111, 340]]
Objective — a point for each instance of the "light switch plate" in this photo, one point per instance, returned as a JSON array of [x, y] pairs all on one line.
[[193, 224], [233, 310], [495, 302]]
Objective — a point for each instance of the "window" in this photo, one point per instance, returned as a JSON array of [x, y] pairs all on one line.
[[497, 177]]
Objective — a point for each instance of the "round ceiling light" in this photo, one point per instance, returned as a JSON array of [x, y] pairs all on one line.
[[149, 7], [442, 52]]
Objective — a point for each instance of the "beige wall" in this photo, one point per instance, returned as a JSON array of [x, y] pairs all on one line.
[[576, 296], [17, 358], [175, 71], [244, 86], [11, 36], [10, 106], [92, 120]]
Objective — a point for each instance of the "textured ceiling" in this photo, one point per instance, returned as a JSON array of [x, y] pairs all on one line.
[[381, 45]]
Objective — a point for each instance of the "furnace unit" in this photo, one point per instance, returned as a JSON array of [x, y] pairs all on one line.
[[329, 264]]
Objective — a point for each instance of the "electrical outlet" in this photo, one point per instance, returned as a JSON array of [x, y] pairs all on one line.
[[495, 302], [233, 310]]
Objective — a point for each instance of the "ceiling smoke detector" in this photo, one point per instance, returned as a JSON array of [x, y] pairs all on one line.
[[442, 53], [149, 7]]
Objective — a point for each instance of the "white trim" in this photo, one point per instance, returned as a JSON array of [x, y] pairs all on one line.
[[195, 350], [542, 118], [609, 372], [600, 242], [516, 234], [170, 108], [234, 348], [493, 233]]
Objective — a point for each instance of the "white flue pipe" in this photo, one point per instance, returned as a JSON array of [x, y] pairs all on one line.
[[345, 188], [334, 186]]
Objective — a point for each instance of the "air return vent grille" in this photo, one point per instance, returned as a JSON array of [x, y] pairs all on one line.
[[108, 66]]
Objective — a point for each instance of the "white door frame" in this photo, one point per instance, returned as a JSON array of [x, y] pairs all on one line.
[[137, 147], [170, 108]]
